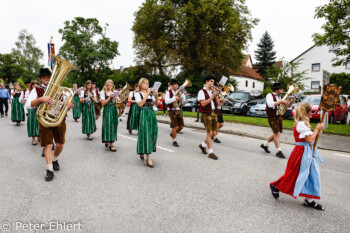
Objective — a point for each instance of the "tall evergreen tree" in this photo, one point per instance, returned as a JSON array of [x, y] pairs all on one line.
[[265, 55]]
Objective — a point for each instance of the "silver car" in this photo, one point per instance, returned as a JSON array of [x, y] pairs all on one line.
[[258, 110]]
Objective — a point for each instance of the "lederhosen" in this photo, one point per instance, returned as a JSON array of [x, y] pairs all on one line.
[[32, 122], [133, 116], [148, 128], [47, 135], [98, 104], [275, 121], [89, 115], [109, 122], [176, 116], [77, 106], [17, 111], [209, 116]]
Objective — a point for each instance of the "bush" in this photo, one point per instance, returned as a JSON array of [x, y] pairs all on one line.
[[266, 91]]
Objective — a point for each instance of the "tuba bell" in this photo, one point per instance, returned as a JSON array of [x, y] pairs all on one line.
[[123, 95], [52, 115], [292, 89], [187, 83]]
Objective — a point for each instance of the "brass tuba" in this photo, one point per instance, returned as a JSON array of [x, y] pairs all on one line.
[[292, 89], [123, 95], [187, 83], [53, 115]]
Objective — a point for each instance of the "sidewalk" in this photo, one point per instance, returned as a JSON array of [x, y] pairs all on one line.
[[325, 141]]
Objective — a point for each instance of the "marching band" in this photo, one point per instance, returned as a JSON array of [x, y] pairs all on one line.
[[300, 179]]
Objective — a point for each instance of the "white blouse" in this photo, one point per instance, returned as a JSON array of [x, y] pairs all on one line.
[[139, 99], [303, 129], [103, 95], [82, 94]]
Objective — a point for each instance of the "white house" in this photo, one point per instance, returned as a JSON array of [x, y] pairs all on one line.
[[247, 78], [315, 60]]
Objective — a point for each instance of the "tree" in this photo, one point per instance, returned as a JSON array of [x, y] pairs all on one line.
[[265, 55], [200, 36], [10, 67], [29, 54], [341, 79], [286, 74], [336, 29], [87, 47]]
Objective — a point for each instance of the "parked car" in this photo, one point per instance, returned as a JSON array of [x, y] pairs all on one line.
[[340, 113], [258, 110], [190, 105], [238, 102]]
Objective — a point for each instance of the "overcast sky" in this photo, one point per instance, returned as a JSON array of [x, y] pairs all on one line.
[[289, 22]]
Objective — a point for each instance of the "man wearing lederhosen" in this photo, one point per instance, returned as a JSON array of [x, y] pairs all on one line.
[[176, 117], [47, 135], [208, 100], [273, 101]]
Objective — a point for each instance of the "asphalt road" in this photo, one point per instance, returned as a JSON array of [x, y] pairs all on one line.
[[101, 191]]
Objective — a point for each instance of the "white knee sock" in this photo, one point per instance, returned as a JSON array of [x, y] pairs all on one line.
[[266, 143], [49, 167], [210, 151], [204, 144], [278, 149], [54, 159]]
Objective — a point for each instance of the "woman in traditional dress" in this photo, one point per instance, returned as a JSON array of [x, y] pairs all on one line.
[[134, 113], [17, 112], [88, 98], [148, 128], [77, 104], [110, 115], [302, 176], [32, 122]]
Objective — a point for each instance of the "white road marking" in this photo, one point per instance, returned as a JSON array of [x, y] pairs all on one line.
[[342, 155], [160, 147]]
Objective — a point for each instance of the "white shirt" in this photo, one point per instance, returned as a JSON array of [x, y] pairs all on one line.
[[103, 95], [138, 97], [303, 129], [24, 96], [270, 103], [32, 96], [169, 100], [82, 94], [201, 96], [131, 93]]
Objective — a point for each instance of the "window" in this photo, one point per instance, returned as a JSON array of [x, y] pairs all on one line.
[[246, 83], [253, 84], [316, 67], [315, 84], [347, 65]]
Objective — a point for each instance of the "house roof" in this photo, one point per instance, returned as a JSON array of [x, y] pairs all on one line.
[[302, 54], [246, 71]]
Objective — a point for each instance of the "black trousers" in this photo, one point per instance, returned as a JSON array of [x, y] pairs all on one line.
[[2, 103]]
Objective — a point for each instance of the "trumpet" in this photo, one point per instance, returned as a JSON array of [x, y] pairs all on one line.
[[224, 90]]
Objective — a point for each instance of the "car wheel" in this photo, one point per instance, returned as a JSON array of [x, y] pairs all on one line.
[[331, 119], [244, 111], [193, 109], [345, 119]]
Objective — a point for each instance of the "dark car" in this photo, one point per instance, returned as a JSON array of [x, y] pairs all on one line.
[[239, 102], [190, 105]]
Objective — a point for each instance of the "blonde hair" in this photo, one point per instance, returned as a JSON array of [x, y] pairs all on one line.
[[106, 84], [141, 81], [301, 113], [17, 83]]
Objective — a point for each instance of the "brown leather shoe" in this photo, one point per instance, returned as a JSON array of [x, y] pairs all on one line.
[[204, 150], [212, 156]]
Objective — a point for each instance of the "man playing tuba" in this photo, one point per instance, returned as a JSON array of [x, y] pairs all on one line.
[[273, 101], [47, 135], [177, 121]]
